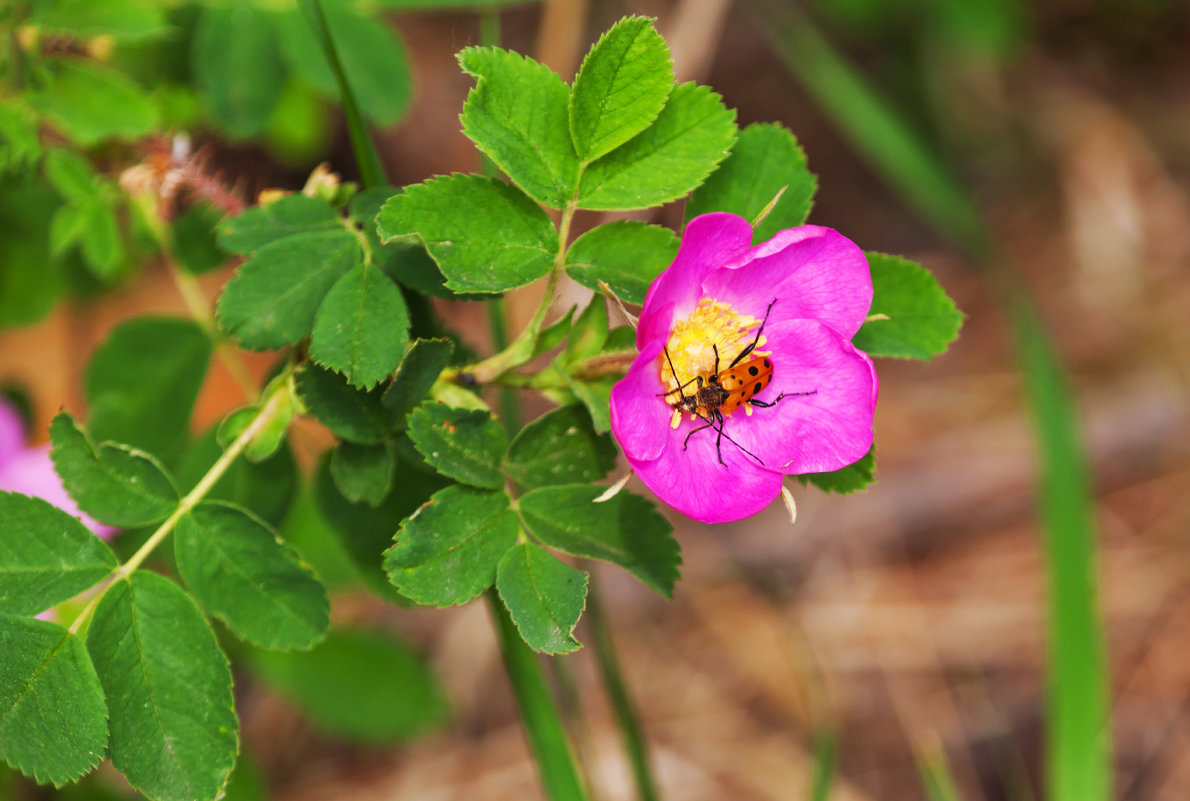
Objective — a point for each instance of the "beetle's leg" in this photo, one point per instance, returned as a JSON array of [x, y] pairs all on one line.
[[755, 340], [776, 400]]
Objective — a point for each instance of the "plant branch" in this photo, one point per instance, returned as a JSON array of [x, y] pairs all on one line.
[[270, 406], [543, 725]]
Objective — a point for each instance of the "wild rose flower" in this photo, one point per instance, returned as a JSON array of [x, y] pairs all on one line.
[[813, 416], [29, 470]]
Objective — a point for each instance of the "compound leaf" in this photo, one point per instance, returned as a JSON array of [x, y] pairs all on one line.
[[241, 573], [168, 686], [53, 720]]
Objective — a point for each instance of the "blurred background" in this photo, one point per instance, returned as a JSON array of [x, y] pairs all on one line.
[[887, 633]]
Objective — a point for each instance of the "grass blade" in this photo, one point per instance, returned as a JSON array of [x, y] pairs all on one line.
[[371, 172], [822, 776], [1079, 735], [882, 136]]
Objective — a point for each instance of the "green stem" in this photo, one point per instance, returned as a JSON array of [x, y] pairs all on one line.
[[371, 171], [617, 690], [271, 405], [543, 725], [521, 349]]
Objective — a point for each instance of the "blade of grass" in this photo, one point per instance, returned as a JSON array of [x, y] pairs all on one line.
[[371, 172], [935, 774], [543, 725], [1078, 736], [880, 134], [822, 774], [1078, 739], [617, 690]]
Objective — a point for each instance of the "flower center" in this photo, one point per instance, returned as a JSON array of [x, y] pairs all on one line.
[[713, 325]]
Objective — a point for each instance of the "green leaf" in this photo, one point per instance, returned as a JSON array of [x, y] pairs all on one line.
[[259, 225], [46, 555], [517, 115], [20, 145], [852, 478], [142, 381], [372, 55], [91, 102], [265, 442], [30, 280], [485, 235], [267, 487], [100, 238], [236, 65], [363, 473], [241, 573], [552, 335], [626, 530], [921, 320], [765, 159], [588, 333], [53, 721], [195, 247], [621, 87], [352, 414], [274, 296], [693, 133], [463, 444], [362, 327], [359, 685], [560, 447], [71, 175], [544, 596], [365, 532], [596, 395], [113, 483], [423, 362], [120, 19], [446, 552], [168, 687], [626, 254], [405, 262]]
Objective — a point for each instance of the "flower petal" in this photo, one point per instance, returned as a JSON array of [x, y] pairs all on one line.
[[640, 416], [813, 433], [693, 482], [12, 431], [709, 242], [31, 472], [813, 272]]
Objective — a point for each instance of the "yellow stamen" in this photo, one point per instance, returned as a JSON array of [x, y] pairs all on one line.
[[692, 343]]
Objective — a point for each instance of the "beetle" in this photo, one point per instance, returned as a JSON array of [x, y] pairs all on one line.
[[722, 392]]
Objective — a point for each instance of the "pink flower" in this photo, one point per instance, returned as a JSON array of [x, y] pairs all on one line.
[[29, 471], [797, 299]]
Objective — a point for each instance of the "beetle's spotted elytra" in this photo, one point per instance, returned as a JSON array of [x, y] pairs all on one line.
[[721, 392]]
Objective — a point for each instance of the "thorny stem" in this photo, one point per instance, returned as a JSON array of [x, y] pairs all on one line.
[[271, 405]]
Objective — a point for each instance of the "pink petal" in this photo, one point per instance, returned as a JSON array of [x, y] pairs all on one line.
[[813, 272], [693, 482], [30, 472], [813, 433], [12, 431], [709, 242], [639, 413]]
